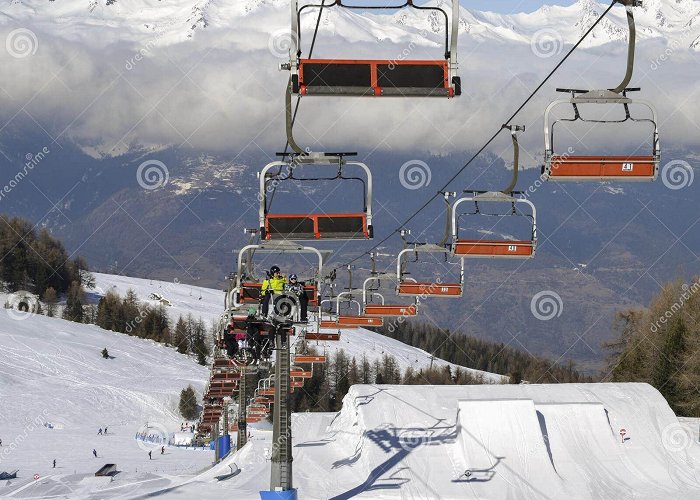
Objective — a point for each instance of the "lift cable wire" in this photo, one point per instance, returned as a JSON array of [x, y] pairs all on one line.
[[493, 137]]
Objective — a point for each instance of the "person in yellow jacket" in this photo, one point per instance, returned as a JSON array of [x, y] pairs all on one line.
[[273, 285]]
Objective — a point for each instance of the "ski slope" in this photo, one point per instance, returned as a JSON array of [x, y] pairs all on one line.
[[516, 441], [355, 342], [56, 390], [387, 442]]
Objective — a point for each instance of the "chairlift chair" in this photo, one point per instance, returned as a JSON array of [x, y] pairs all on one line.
[[495, 248], [633, 167], [410, 287], [504, 247], [349, 321], [383, 309], [398, 78], [315, 226], [247, 291]]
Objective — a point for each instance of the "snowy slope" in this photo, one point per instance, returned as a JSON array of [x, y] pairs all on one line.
[[185, 299], [356, 342], [525, 441], [51, 372], [516, 441]]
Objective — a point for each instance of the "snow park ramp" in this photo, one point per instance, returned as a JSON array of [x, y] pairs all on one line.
[[594, 460], [504, 454]]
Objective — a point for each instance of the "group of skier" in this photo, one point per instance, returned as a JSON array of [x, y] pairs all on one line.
[[277, 284], [245, 338]]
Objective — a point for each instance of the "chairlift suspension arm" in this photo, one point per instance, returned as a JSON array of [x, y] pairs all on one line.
[[514, 129], [630, 45]]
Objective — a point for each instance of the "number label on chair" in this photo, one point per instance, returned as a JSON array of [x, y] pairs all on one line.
[[627, 167], [512, 248]]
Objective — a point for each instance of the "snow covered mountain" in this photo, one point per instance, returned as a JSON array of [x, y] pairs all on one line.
[[182, 19]]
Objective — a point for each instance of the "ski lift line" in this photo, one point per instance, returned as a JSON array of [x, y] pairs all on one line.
[[493, 137]]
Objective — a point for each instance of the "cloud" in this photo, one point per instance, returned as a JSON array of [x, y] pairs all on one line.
[[221, 90]]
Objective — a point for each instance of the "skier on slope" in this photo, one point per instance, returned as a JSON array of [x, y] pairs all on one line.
[[99, 433], [94, 452], [149, 455]]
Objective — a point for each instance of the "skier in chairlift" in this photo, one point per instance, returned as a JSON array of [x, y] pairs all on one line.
[[273, 285], [296, 287]]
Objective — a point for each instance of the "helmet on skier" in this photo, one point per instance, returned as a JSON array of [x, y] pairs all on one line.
[[274, 269], [292, 277]]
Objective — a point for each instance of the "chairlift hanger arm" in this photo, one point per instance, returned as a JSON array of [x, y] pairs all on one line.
[[514, 129]]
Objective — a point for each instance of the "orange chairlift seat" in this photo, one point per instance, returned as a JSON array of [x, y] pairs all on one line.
[[349, 321], [299, 373], [315, 226], [309, 359], [397, 77], [319, 336], [566, 167], [436, 288], [382, 309], [495, 248]]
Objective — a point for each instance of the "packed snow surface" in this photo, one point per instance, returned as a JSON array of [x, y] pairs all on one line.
[[56, 391], [576, 441]]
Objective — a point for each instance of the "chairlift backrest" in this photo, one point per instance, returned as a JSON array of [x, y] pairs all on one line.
[[398, 77], [337, 226], [494, 248]]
